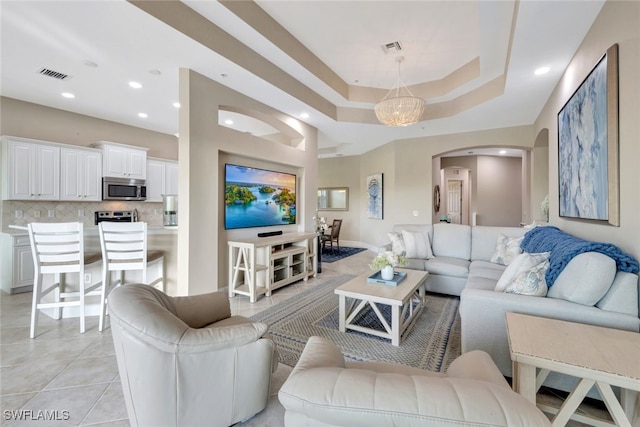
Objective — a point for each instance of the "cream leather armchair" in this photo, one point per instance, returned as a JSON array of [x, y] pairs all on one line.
[[185, 361], [325, 390]]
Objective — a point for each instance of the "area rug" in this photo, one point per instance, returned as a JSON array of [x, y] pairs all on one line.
[[432, 343], [332, 256]]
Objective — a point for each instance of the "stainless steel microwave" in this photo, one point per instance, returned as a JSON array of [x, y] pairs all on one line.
[[123, 189]]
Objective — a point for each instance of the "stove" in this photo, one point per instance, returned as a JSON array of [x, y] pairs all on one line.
[[116, 216]]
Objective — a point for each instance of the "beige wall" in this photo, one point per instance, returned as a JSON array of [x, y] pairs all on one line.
[[408, 170], [499, 201], [35, 121], [343, 172], [203, 148], [540, 182], [617, 23]]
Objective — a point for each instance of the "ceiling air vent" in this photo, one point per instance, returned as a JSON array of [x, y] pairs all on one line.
[[55, 74], [392, 47]]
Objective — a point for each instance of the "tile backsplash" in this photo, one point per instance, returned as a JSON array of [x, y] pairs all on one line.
[[23, 212]]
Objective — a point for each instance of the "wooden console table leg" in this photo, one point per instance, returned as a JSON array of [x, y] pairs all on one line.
[[395, 325], [572, 402], [524, 381], [615, 409], [342, 314], [630, 400]]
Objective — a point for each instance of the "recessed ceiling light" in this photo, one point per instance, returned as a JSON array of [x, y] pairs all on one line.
[[228, 122], [503, 152], [143, 115], [304, 115], [155, 72], [542, 70], [135, 85], [176, 104], [68, 95], [90, 64]]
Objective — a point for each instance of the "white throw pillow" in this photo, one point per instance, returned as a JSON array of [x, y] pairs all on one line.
[[507, 248], [417, 244], [530, 282], [520, 264], [397, 243]]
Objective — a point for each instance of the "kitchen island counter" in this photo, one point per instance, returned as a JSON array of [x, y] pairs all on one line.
[[16, 266]]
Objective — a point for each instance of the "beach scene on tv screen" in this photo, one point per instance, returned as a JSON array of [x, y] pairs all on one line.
[[258, 198]]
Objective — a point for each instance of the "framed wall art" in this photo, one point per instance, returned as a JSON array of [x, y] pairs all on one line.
[[374, 196], [588, 176]]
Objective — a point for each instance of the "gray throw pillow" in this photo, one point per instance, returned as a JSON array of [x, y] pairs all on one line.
[[585, 280]]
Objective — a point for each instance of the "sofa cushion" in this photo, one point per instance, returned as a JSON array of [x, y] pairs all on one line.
[[417, 244], [451, 240], [483, 283], [522, 263], [198, 311], [623, 295], [415, 264], [486, 269], [507, 248], [483, 239], [447, 266], [585, 280], [424, 228], [530, 282]]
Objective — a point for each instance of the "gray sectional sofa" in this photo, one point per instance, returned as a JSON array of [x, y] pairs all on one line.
[[588, 290]]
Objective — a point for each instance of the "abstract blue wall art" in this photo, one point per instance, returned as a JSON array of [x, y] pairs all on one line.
[[374, 196], [584, 151]]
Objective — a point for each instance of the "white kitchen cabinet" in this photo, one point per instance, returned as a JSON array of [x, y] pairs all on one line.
[[162, 178], [31, 170], [171, 178], [16, 269], [123, 161], [80, 174]]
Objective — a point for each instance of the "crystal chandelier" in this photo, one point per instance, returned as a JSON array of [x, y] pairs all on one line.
[[399, 107]]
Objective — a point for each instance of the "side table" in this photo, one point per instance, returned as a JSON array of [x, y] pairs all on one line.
[[599, 356]]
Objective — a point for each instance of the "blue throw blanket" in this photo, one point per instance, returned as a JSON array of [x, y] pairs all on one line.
[[564, 247]]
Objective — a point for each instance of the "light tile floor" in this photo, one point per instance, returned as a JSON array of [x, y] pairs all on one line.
[[77, 376]]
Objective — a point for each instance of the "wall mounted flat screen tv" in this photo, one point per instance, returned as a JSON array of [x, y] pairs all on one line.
[[258, 197]]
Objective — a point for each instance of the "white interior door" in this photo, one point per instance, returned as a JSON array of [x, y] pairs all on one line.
[[454, 200]]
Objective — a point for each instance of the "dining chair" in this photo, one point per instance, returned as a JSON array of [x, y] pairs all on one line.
[[334, 236], [58, 249], [124, 248]]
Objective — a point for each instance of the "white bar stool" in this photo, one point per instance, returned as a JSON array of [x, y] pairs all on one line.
[[58, 248], [124, 248]]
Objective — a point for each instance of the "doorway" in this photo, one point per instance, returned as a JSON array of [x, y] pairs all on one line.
[[454, 201], [456, 195]]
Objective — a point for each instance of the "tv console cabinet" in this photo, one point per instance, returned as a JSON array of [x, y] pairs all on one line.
[[261, 265]]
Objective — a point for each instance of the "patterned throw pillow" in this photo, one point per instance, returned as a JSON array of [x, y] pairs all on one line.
[[530, 282], [397, 243], [520, 264], [507, 248]]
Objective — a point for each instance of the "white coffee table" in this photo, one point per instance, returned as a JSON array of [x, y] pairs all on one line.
[[596, 355], [406, 300]]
